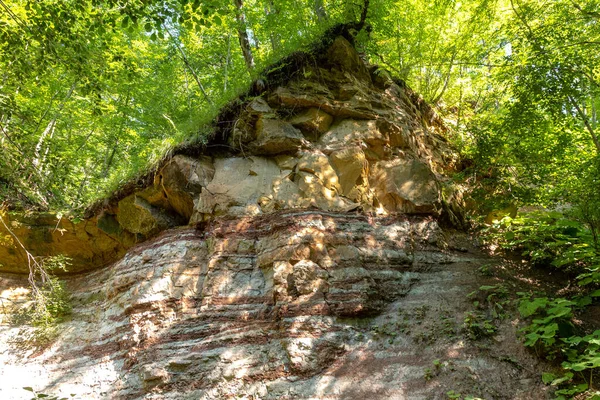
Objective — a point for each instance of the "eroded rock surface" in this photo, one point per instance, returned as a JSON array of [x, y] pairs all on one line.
[[293, 305]]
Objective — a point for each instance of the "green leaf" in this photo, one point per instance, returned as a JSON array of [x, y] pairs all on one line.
[[28, 388], [548, 377]]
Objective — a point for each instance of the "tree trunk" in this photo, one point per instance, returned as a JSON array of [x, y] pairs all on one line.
[[270, 9], [227, 61], [243, 35], [320, 11], [189, 66]]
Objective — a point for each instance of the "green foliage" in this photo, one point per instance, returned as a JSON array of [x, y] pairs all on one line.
[[550, 239], [553, 333], [554, 316], [49, 305], [478, 325], [490, 303]]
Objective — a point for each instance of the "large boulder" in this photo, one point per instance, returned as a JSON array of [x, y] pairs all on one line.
[[343, 56], [237, 185], [353, 131], [317, 163], [321, 196], [405, 186], [137, 215], [351, 167], [313, 121], [182, 178], [274, 136]]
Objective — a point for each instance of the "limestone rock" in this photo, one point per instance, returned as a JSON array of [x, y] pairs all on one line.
[[352, 169], [274, 136], [405, 186], [313, 121], [343, 55], [317, 164], [293, 97], [285, 161], [237, 185], [320, 196], [137, 215], [259, 106], [87, 243], [182, 179], [287, 194], [352, 132], [296, 306], [309, 278]]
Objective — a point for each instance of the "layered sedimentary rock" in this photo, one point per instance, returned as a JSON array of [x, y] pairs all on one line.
[[295, 304], [306, 261]]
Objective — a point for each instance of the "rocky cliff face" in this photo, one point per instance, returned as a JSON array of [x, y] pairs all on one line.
[[301, 256]]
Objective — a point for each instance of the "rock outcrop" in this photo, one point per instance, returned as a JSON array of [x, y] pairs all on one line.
[[335, 139], [306, 262], [289, 305]]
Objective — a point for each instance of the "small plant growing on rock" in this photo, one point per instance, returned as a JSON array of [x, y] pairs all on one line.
[[478, 326], [50, 301]]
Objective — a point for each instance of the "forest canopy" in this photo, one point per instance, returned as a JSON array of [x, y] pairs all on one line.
[[92, 93]]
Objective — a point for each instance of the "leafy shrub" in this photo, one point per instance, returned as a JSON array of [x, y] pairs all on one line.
[[553, 333], [549, 239]]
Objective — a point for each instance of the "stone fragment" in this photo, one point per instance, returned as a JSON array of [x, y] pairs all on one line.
[[258, 106], [309, 278], [313, 121], [182, 179], [285, 161], [300, 97], [237, 185], [351, 167], [342, 55], [405, 186], [136, 215], [286, 193], [398, 134], [274, 136], [317, 164], [351, 131], [321, 196], [153, 376]]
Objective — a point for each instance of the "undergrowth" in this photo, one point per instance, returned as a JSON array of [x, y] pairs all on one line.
[[553, 240], [49, 304]]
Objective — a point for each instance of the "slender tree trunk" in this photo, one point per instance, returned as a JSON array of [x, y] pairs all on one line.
[[439, 96], [243, 35], [586, 123], [38, 160], [270, 9], [227, 61], [320, 11], [460, 98], [189, 66]]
